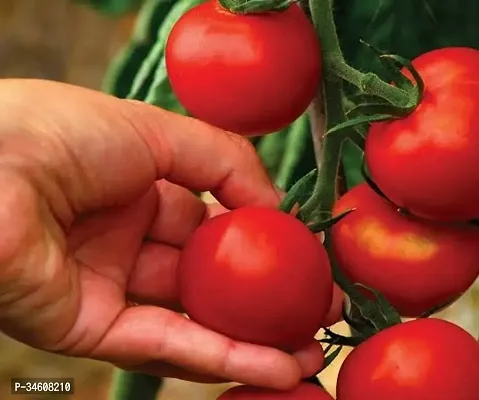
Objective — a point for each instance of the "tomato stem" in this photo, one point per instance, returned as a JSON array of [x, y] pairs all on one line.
[[335, 66], [327, 150]]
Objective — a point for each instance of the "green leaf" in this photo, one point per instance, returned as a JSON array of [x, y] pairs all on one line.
[[146, 73], [320, 224], [390, 314], [358, 121], [351, 159], [160, 92], [298, 139], [126, 65], [123, 69], [391, 66], [368, 109], [419, 83], [300, 192], [149, 20], [368, 310], [271, 149]]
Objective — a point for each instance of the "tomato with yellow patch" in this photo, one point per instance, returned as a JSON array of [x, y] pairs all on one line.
[[416, 264]]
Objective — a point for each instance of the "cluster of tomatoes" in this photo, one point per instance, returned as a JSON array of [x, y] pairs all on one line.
[[414, 238], [259, 275]]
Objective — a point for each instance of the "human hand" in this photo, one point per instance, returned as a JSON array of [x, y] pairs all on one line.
[[94, 210]]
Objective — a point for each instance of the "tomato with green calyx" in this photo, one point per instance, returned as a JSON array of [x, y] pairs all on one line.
[[250, 74], [427, 162], [256, 275], [415, 263], [304, 391], [424, 359]]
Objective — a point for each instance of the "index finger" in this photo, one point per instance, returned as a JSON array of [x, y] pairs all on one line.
[[106, 151], [205, 158]]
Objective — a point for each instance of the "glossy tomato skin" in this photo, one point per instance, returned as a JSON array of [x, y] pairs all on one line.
[[424, 359], [249, 74], [415, 263], [256, 275], [427, 162], [304, 391]]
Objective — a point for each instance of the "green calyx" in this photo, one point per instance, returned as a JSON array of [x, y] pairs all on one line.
[[255, 6]]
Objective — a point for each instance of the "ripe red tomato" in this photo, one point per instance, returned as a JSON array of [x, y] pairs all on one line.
[[249, 74], [416, 264], [257, 275], [304, 391], [425, 359], [427, 162]]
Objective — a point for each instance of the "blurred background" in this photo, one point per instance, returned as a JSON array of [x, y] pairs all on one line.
[[64, 41]]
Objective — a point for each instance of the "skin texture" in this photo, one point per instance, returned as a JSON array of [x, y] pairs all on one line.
[[94, 212], [416, 264], [305, 391], [249, 74], [427, 162], [426, 359], [257, 275]]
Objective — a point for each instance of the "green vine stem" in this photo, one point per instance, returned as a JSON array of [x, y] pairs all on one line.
[[327, 112], [335, 65], [328, 150], [134, 386]]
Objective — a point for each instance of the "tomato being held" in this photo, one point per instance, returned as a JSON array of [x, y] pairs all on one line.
[[257, 275], [427, 162], [425, 359], [304, 391], [416, 264], [250, 74]]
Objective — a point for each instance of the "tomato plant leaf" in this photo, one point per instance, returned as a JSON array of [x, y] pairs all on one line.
[[318, 223], [295, 148], [132, 71], [146, 71], [160, 92], [362, 328], [299, 192], [360, 120], [374, 109], [390, 314], [271, 149], [391, 67], [368, 310], [419, 83]]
